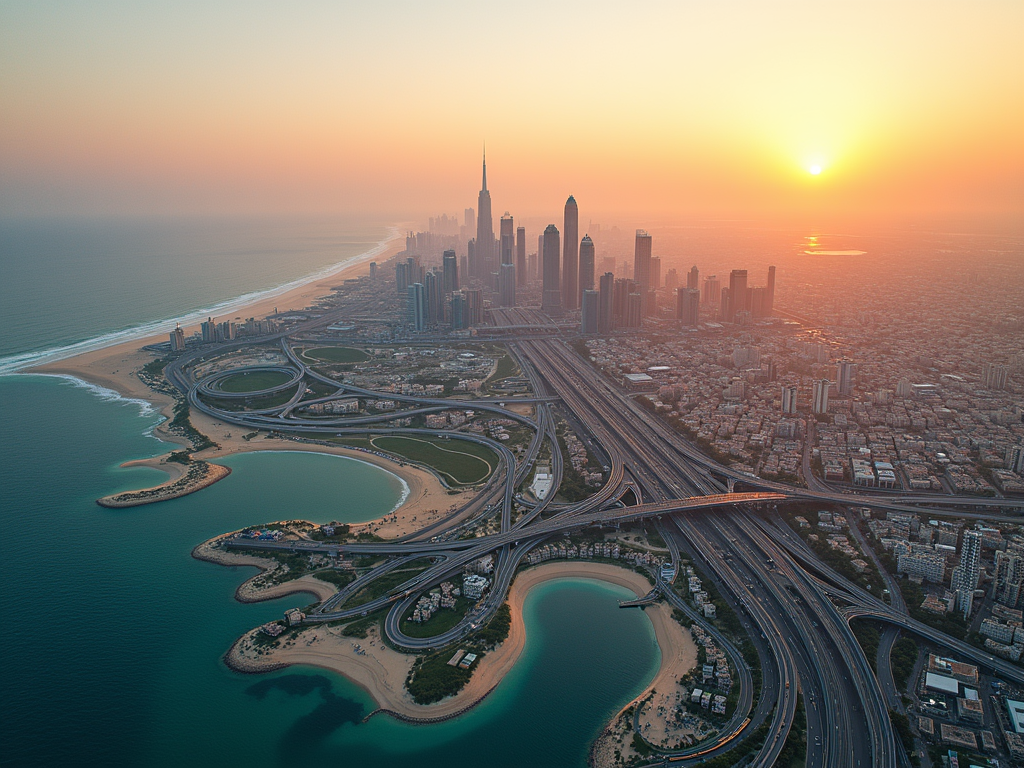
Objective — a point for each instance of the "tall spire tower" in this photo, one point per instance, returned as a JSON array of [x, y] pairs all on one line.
[[570, 255], [483, 249]]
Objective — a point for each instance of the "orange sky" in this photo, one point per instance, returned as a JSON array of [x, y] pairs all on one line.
[[679, 109]]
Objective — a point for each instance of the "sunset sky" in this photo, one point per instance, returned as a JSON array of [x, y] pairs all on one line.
[[673, 109]]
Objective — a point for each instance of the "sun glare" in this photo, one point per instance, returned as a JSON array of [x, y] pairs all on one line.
[[814, 170]]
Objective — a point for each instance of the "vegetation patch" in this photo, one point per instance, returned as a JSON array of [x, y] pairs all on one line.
[[463, 462], [254, 381], [336, 355]]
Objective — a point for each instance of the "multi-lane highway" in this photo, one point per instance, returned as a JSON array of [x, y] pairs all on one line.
[[782, 597]]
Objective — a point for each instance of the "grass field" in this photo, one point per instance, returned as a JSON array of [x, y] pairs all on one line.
[[336, 355], [460, 461], [387, 582], [253, 382]]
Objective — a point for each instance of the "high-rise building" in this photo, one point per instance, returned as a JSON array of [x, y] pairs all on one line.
[[967, 574], [402, 277], [586, 265], [607, 264], [1015, 459], [570, 256], [820, 405], [846, 372], [507, 239], [655, 273], [177, 339], [531, 266], [552, 298], [769, 305], [507, 285], [434, 297], [590, 316], [738, 299], [475, 306], [521, 274], [470, 220], [788, 399], [994, 376], [693, 278], [1008, 584], [688, 306], [459, 311], [449, 271], [483, 253], [712, 291], [373, 270], [642, 264], [634, 310], [671, 279], [209, 330], [606, 309], [416, 306]]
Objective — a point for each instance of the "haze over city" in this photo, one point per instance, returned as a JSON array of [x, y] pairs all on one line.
[[554, 384], [675, 110]]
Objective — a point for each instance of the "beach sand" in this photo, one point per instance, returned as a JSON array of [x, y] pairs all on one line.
[[382, 671], [115, 368]]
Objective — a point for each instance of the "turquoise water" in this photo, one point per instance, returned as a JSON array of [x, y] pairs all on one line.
[[113, 634]]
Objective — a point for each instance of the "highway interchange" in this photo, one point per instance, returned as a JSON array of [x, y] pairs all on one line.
[[794, 608]]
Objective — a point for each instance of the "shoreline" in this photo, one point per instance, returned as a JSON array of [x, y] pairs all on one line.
[[381, 671], [145, 332]]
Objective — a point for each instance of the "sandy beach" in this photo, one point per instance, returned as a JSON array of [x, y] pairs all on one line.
[[115, 368], [382, 671]]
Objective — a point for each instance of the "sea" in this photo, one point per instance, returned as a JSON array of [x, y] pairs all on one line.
[[113, 634]]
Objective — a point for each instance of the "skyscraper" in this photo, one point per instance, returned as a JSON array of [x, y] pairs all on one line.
[[586, 265], [846, 371], [552, 299], [693, 277], [570, 255], [177, 339], [642, 264], [967, 574], [507, 285], [606, 309], [450, 271], [671, 279], [769, 306], [417, 306], [506, 239], [590, 311], [820, 405], [788, 399], [521, 256], [738, 300], [484, 250], [712, 290], [655, 273], [688, 306]]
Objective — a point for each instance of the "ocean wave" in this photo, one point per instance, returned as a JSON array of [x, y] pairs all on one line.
[[107, 395], [19, 362]]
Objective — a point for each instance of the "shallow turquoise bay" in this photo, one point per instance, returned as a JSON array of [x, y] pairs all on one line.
[[114, 633]]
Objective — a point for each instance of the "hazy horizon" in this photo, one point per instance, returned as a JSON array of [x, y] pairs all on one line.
[[669, 112]]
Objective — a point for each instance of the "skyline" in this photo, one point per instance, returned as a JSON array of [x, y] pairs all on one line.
[[675, 113]]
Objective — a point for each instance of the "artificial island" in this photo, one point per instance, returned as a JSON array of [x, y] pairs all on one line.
[[817, 593]]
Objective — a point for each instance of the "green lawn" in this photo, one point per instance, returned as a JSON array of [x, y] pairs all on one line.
[[386, 583], [336, 355], [253, 382], [462, 462]]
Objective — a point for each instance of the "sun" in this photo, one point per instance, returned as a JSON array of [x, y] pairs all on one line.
[[814, 169]]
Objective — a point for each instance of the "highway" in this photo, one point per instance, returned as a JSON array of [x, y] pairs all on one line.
[[782, 596]]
